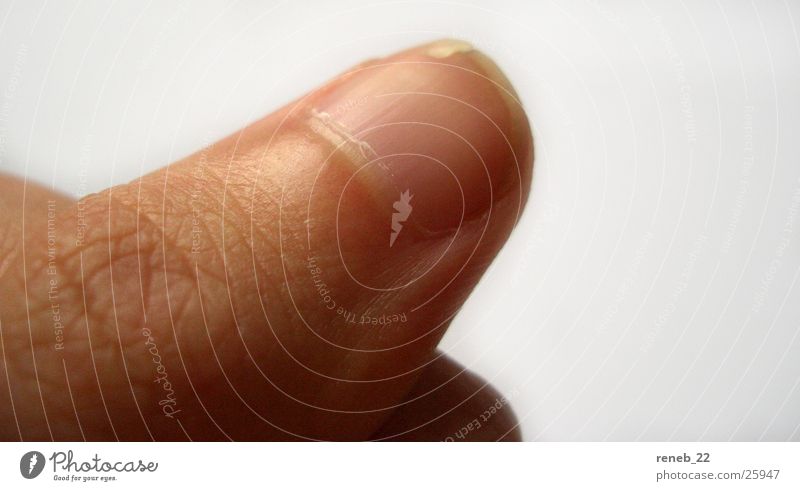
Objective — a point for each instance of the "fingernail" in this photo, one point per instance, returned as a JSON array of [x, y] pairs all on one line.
[[437, 130], [435, 134]]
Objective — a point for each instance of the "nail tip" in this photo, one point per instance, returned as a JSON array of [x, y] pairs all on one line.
[[445, 48]]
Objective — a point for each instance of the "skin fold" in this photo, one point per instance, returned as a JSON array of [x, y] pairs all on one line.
[[252, 292]]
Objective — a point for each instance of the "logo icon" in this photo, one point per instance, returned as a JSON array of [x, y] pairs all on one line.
[[31, 464], [402, 212]]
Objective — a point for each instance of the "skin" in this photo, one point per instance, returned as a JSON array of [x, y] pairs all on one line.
[[243, 292]]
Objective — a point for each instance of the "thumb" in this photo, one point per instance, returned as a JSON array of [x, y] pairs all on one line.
[[293, 279]]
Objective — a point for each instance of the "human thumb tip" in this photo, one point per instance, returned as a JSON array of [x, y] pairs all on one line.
[[426, 168]]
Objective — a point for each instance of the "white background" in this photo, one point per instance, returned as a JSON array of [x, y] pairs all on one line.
[[650, 289]]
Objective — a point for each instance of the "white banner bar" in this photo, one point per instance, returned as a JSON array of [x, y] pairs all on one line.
[[352, 466]]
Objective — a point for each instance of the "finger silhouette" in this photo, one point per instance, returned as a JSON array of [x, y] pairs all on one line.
[[289, 282]]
